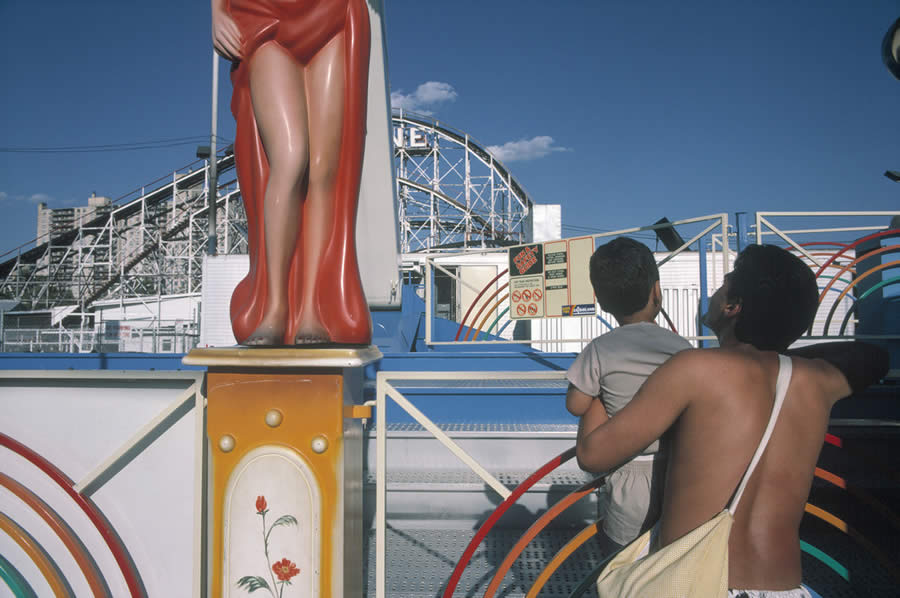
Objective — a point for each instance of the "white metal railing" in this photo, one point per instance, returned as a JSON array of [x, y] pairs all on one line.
[[817, 223], [64, 340], [189, 399], [764, 222], [384, 390], [435, 262]]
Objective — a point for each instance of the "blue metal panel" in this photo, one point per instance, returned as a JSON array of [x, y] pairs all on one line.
[[94, 361]]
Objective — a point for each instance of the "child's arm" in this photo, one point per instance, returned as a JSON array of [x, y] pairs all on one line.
[[577, 402]]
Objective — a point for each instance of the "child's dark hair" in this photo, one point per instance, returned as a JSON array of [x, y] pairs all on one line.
[[623, 273], [778, 296]]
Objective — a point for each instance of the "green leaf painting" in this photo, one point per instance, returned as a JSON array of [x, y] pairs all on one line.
[[284, 570]]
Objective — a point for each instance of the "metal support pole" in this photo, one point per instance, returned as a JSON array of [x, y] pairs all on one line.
[[743, 231], [213, 159], [704, 296]]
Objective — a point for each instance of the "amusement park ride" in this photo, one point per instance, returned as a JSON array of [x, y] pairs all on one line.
[[424, 452]]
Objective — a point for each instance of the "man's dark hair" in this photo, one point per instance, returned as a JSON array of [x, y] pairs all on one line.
[[623, 272], [778, 296]]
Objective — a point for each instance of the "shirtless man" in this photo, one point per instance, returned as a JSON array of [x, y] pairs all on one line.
[[716, 403]]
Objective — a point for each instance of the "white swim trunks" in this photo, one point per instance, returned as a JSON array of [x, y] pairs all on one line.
[[800, 592]]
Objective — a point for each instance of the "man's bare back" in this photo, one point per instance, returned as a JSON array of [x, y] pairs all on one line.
[[714, 406], [717, 403]]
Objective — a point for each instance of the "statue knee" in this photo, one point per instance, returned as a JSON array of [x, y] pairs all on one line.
[[287, 170], [322, 173]]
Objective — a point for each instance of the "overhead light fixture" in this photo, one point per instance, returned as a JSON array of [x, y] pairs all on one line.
[[668, 235]]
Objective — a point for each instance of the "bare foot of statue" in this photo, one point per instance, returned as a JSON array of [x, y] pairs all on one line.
[[270, 332], [311, 332]]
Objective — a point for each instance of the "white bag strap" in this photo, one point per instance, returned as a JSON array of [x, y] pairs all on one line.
[[785, 368]]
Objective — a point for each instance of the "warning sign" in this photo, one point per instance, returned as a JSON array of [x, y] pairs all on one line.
[[551, 279], [526, 259], [525, 296]]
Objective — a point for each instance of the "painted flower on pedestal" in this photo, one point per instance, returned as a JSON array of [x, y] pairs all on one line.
[[284, 569]]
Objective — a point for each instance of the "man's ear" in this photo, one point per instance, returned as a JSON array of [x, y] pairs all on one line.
[[732, 308]]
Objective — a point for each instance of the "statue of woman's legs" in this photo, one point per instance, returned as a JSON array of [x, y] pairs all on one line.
[[325, 80], [279, 105]]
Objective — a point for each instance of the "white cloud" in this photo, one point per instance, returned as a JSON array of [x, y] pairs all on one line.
[[525, 149], [426, 95], [38, 198], [3, 195]]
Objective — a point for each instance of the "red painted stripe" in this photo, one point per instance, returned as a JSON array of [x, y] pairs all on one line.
[[883, 233], [123, 559], [63, 532], [468, 311], [498, 512], [834, 440]]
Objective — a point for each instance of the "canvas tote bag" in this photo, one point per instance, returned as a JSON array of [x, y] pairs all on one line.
[[695, 565]]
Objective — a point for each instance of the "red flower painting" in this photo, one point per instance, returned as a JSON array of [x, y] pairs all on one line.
[[284, 569]]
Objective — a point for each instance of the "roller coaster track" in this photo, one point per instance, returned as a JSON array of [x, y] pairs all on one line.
[[452, 194], [115, 251]]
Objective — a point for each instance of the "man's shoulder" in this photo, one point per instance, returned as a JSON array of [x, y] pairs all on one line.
[[715, 362], [820, 377]]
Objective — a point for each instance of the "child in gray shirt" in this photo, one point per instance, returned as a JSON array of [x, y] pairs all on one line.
[[613, 367]]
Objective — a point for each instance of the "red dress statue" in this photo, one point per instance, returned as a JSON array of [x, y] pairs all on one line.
[[300, 78]]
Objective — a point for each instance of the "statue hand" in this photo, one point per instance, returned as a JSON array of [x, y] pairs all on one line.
[[226, 35]]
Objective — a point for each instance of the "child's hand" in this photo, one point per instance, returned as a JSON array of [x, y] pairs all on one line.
[[577, 402]]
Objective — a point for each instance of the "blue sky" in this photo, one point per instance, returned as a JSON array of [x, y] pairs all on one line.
[[621, 111]]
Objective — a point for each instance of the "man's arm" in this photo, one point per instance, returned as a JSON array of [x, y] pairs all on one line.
[[578, 402], [594, 417], [604, 444], [862, 364]]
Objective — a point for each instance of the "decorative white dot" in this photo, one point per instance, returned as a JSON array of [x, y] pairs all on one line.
[[226, 443], [274, 417], [319, 444]]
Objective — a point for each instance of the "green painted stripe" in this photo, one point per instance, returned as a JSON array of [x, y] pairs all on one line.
[[14, 580], [816, 553]]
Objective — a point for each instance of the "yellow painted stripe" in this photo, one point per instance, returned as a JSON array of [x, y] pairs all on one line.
[[571, 546], [38, 556], [826, 516]]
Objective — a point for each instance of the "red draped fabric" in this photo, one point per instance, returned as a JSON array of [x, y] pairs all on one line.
[[303, 28]]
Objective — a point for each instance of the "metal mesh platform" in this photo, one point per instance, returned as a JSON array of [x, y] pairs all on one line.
[[504, 383], [490, 428], [468, 480], [419, 562]]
